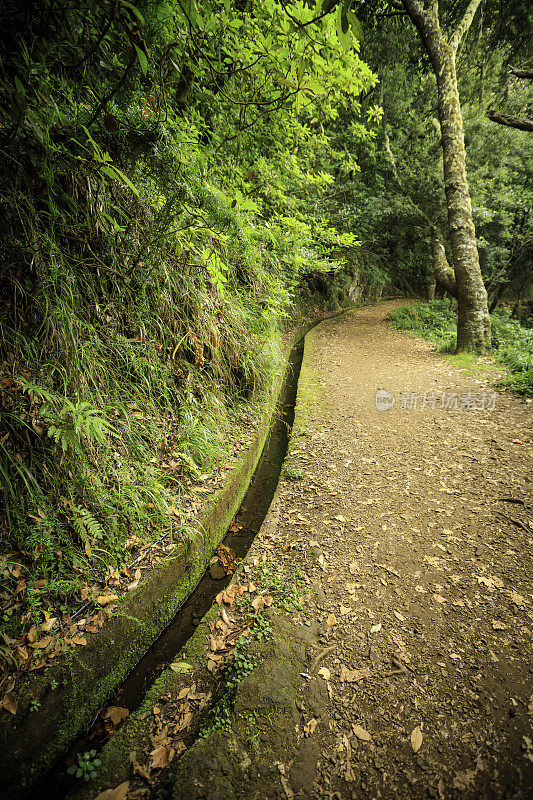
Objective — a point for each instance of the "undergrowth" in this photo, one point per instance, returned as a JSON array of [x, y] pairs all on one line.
[[512, 342], [162, 177]]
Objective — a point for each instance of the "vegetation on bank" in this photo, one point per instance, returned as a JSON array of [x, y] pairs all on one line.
[[512, 339], [162, 171]]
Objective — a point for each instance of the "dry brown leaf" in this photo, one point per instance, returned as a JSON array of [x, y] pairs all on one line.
[[106, 599], [118, 793], [361, 733], [139, 770], [416, 739], [324, 673], [376, 628], [258, 603], [518, 600], [353, 675], [225, 618], [9, 702], [439, 598], [309, 727], [116, 714], [161, 757]]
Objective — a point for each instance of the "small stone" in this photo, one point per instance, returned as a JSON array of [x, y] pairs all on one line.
[[216, 570]]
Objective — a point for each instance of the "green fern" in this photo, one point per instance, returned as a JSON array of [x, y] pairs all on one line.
[[87, 527], [69, 424]]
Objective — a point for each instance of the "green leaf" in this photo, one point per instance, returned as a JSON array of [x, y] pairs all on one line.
[[134, 10], [19, 87], [180, 667], [355, 25], [342, 26], [117, 175], [143, 61]]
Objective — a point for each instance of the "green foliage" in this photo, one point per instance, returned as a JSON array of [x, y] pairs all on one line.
[[435, 321], [163, 172], [513, 345], [292, 473], [241, 666], [85, 766]]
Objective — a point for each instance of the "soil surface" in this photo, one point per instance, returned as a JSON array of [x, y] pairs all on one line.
[[412, 530]]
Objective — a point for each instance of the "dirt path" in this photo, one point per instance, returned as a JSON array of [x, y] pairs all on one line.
[[411, 529]]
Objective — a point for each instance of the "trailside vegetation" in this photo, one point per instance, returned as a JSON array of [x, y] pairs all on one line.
[[162, 170]]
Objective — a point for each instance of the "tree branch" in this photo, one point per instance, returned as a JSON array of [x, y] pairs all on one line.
[[465, 23], [511, 122], [521, 73], [444, 274]]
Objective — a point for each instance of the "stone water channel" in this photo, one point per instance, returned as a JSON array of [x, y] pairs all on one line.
[[57, 783]]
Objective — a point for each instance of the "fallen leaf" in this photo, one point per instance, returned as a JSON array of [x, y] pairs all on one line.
[[118, 793], [160, 757], [116, 714], [361, 733], [353, 675], [416, 739], [324, 673], [517, 599], [498, 626], [106, 599], [184, 692], [225, 618], [376, 628], [439, 598], [9, 702], [141, 771], [309, 727], [258, 603]]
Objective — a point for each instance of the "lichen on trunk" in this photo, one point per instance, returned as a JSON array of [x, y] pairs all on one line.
[[473, 321]]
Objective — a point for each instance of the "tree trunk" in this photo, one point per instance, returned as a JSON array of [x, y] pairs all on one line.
[[442, 271], [473, 321]]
